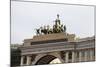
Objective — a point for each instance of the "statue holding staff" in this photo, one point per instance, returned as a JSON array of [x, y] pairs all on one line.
[[57, 28]]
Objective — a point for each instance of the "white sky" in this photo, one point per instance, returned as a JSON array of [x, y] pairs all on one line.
[[26, 16]]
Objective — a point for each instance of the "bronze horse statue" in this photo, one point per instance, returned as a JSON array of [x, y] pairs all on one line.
[[57, 28]]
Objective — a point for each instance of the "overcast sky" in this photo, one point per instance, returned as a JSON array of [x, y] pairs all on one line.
[[26, 16]]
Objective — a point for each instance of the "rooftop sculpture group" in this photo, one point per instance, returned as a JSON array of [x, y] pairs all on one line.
[[57, 28]]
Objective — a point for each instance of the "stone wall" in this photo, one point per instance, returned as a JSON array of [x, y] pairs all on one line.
[[55, 36]]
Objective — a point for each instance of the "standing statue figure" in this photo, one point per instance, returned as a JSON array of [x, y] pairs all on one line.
[[57, 28], [58, 20]]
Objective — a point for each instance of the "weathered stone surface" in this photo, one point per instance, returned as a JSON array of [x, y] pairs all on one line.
[[55, 36], [50, 37]]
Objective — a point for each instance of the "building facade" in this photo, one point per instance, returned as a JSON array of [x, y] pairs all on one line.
[[50, 44], [44, 48], [15, 55]]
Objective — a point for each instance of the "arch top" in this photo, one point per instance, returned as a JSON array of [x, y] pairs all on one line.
[[45, 59]]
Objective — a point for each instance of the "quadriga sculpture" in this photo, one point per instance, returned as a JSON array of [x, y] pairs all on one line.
[[57, 28]]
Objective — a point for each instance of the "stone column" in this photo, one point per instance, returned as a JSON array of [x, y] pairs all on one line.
[[66, 57], [22, 59], [80, 56], [85, 56], [73, 56], [91, 55], [28, 60]]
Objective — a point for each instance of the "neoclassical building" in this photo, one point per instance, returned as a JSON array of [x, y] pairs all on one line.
[[57, 43], [50, 44], [44, 48]]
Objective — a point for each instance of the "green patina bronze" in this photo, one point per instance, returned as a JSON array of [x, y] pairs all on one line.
[[57, 28]]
